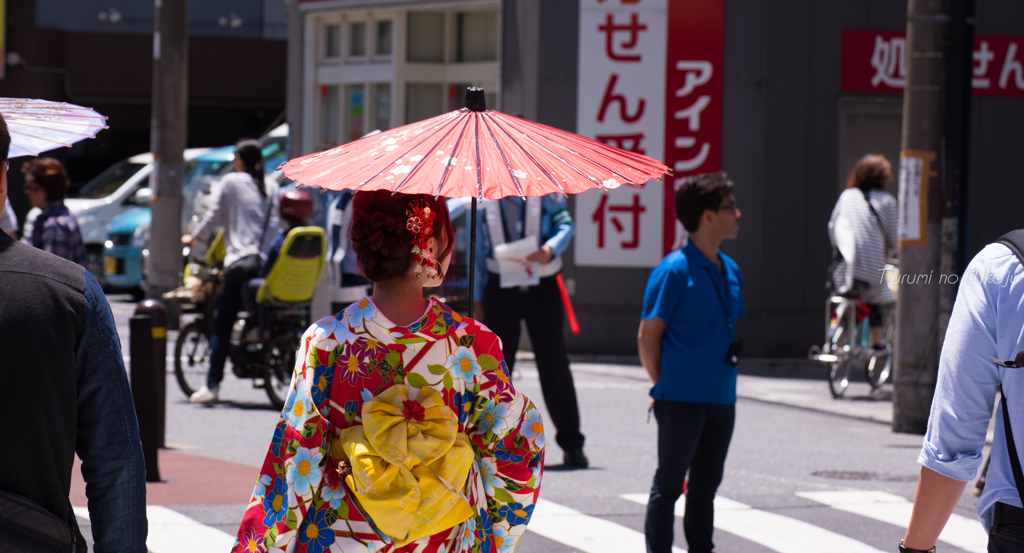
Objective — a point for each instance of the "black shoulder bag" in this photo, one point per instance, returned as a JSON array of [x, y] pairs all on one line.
[[26, 527]]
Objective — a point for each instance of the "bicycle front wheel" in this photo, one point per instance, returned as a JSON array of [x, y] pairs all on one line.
[[880, 365], [280, 362], [192, 357], [839, 371]]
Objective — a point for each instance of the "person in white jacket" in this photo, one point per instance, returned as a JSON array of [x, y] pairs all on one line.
[[863, 229], [247, 209]]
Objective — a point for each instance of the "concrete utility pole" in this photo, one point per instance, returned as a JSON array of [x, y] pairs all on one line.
[[932, 177], [294, 85], [167, 141]]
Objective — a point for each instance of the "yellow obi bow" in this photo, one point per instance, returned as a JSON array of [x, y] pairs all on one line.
[[409, 463]]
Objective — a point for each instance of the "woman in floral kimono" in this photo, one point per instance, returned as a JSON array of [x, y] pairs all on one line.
[[402, 431]]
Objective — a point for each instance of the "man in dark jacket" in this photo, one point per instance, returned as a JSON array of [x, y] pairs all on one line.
[[65, 391]]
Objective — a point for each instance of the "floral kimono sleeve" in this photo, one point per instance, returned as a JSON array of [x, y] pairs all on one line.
[[292, 470], [507, 431]]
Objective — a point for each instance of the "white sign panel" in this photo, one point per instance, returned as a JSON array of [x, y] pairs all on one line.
[[915, 174], [621, 228], [621, 102], [910, 198]]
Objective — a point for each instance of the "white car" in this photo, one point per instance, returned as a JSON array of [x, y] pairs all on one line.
[[121, 187]]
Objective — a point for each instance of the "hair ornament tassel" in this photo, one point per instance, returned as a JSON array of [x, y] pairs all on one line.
[[421, 225]]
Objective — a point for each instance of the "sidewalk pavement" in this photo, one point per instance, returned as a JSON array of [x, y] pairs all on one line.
[[794, 382]]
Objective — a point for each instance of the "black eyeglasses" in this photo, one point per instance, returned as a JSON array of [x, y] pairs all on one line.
[[730, 207]]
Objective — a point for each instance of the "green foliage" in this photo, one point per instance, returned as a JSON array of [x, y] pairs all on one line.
[[439, 328], [437, 369], [416, 380], [270, 537], [393, 358], [502, 495], [293, 446], [308, 429], [332, 357], [448, 383], [332, 516], [488, 362], [411, 340], [290, 520]]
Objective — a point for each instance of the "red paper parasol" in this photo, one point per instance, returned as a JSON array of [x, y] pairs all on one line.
[[475, 152]]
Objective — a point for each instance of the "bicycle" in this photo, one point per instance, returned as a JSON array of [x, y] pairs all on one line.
[[848, 345], [267, 354]]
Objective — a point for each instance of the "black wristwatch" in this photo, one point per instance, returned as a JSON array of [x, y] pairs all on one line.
[[904, 549]]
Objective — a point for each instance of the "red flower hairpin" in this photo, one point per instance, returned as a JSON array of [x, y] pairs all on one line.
[[421, 225]]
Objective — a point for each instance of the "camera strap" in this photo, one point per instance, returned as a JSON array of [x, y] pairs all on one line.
[[723, 301]]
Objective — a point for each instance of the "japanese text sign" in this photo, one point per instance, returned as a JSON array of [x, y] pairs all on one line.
[[647, 90], [875, 61]]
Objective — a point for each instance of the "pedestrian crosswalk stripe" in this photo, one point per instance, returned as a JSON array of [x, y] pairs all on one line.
[[585, 533], [963, 532], [771, 530], [171, 531]]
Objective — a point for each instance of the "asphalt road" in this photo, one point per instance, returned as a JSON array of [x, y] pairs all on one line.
[[783, 457]]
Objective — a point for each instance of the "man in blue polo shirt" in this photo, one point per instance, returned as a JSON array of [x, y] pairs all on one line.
[[687, 344]]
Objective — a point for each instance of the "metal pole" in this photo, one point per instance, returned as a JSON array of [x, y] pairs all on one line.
[[958, 132], [472, 255], [928, 213], [293, 91], [157, 313], [144, 392], [167, 141]]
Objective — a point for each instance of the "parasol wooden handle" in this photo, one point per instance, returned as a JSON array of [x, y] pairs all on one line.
[[573, 325]]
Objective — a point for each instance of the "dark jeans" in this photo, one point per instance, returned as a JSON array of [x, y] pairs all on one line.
[[1006, 538], [252, 287], [541, 307], [228, 306], [692, 436]]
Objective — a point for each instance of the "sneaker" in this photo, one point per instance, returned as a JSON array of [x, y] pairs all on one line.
[[575, 458], [205, 395]]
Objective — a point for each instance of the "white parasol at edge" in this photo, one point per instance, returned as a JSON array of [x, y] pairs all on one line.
[[37, 126]]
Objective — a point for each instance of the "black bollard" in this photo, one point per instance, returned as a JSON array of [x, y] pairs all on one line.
[[140, 331], [158, 313]]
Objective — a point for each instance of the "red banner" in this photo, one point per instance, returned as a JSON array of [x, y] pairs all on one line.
[[693, 98], [875, 61]]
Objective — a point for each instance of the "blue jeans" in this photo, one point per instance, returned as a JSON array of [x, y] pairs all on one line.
[[228, 306], [694, 437]]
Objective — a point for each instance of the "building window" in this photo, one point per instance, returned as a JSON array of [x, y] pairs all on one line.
[[478, 36], [426, 37], [332, 42], [423, 101], [357, 40], [329, 117], [384, 38], [381, 106]]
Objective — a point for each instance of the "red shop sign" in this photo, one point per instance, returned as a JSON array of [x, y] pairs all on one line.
[[875, 61], [693, 99]]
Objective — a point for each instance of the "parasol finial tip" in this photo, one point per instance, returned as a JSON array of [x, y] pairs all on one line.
[[475, 99]]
